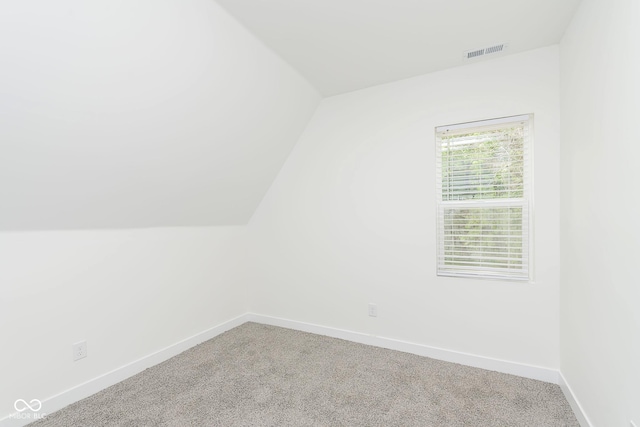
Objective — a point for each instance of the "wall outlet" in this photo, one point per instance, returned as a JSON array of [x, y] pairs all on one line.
[[79, 350], [373, 310]]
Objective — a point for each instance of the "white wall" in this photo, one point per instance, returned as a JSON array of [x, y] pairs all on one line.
[[123, 115], [350, 219], [128, 293], [600, 234], [120, 113]]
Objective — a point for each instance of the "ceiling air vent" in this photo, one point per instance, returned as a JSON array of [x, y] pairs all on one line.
[[493, 49]]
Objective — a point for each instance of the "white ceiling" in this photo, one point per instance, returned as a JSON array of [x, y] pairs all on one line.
[[123, 114], [118, 114], [345, 45]]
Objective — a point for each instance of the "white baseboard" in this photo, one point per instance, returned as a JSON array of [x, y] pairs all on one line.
[[519, 369], [573, 401], [97, 384]]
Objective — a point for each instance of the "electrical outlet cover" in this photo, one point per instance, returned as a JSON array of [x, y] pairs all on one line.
[[79, 350], [373, 310]]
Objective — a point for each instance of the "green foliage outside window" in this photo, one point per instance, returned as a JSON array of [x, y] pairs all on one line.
[[483, 166]]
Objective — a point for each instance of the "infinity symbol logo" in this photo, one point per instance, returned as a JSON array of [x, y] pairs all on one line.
[[21, 405]]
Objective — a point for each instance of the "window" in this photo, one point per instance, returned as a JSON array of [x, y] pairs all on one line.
[[484, 198]]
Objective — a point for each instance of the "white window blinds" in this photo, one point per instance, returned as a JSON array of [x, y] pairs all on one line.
[[484, 191]]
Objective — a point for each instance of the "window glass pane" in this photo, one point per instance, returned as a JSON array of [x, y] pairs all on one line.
[[483, 164], [483, 237]]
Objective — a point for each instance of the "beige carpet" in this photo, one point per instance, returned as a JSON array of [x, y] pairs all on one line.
[[257, 375]]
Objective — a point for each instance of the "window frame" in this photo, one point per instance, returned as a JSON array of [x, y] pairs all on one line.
[[525, 202]]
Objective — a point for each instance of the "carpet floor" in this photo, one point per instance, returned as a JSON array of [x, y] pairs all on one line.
[[257, 375]]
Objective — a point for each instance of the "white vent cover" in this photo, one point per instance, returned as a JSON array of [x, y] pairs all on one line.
[[489, 50]]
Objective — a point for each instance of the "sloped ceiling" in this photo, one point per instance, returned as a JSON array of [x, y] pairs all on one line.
[[118, 114], [344, 45]]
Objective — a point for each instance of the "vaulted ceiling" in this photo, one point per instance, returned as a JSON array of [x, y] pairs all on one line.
[[344, 45], [118, 114], [145, 113]]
